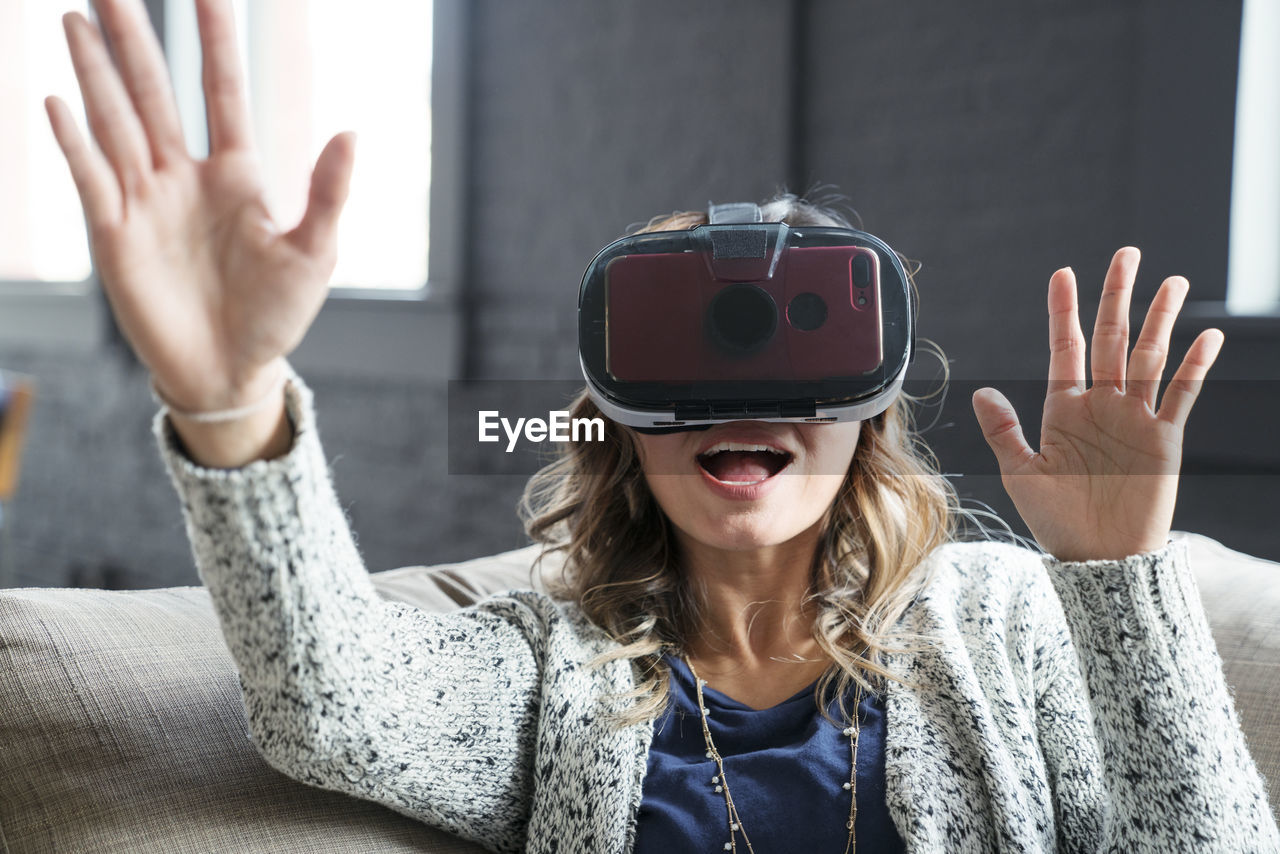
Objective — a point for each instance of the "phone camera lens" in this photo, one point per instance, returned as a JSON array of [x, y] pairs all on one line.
[[860, 271], [807, 312], [742, 318]]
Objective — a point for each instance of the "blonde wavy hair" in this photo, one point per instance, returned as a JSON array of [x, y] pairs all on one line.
[[621, 561]]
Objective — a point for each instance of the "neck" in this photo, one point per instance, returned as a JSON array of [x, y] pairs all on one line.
[[753, 604]]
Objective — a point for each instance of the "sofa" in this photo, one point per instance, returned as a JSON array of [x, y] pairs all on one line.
[[121, 727]]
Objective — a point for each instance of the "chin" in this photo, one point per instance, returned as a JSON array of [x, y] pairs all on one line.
[[729, 526]]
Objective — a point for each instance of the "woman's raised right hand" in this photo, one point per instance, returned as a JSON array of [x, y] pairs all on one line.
[[210, 292]]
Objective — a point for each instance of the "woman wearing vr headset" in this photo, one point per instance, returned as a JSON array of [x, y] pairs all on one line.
[[764, 637]]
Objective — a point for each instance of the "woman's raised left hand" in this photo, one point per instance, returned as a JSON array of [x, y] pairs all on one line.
[[1104, 482]]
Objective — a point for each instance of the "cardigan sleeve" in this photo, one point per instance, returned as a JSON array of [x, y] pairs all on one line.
[[433, 715], [1159, 725]]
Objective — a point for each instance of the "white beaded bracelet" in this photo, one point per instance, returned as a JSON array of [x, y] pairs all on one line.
[[220, 415]]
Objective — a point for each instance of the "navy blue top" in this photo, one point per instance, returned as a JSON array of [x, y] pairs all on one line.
[[787, 766]]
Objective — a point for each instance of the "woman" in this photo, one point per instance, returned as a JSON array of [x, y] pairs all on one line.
[[1005, 700]]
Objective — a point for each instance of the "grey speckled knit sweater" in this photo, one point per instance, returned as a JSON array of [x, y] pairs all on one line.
[[1069, 707]]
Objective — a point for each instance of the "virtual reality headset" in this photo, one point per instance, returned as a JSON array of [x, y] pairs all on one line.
[[742, 319]]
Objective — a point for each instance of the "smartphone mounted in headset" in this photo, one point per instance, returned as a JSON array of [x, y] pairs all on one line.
[[742, 319]]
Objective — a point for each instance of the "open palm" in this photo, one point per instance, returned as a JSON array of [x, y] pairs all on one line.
[[208, 290], [1104, 483]]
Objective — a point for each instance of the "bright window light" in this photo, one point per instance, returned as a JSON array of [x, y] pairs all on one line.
[[316, 68], [1253, 266], [42, 234]]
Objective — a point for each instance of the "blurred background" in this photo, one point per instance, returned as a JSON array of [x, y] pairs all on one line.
[[502, 144]]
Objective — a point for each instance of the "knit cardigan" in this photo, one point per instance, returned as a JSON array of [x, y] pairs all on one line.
[[1072, 707]]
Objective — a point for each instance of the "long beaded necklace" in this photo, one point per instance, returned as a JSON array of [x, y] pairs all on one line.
[[721, 782]]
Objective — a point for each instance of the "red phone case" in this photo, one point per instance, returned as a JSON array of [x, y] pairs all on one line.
[[656, 308]]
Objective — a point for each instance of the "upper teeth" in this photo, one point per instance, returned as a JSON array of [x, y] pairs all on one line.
[[740, 446]]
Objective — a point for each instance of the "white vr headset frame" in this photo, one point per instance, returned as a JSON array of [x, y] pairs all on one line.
[[634, 376]]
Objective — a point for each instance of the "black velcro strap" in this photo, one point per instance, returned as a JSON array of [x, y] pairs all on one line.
[[747, 243]]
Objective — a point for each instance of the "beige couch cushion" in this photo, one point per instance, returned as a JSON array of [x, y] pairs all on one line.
[[452, 585], [1241, 596], [121, 727]]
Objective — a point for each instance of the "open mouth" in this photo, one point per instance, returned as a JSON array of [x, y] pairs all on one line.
[[743, 464]]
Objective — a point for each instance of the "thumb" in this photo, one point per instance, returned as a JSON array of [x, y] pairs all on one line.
[[330, 183], [1000, 427]]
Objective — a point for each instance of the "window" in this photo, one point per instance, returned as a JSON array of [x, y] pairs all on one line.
[[1253, 267], [314, 69], [392, 70], [45, 285], [42, 236]]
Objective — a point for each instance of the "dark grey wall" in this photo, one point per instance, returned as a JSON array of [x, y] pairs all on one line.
[[592, 116], [995, 141], [998, 141]]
